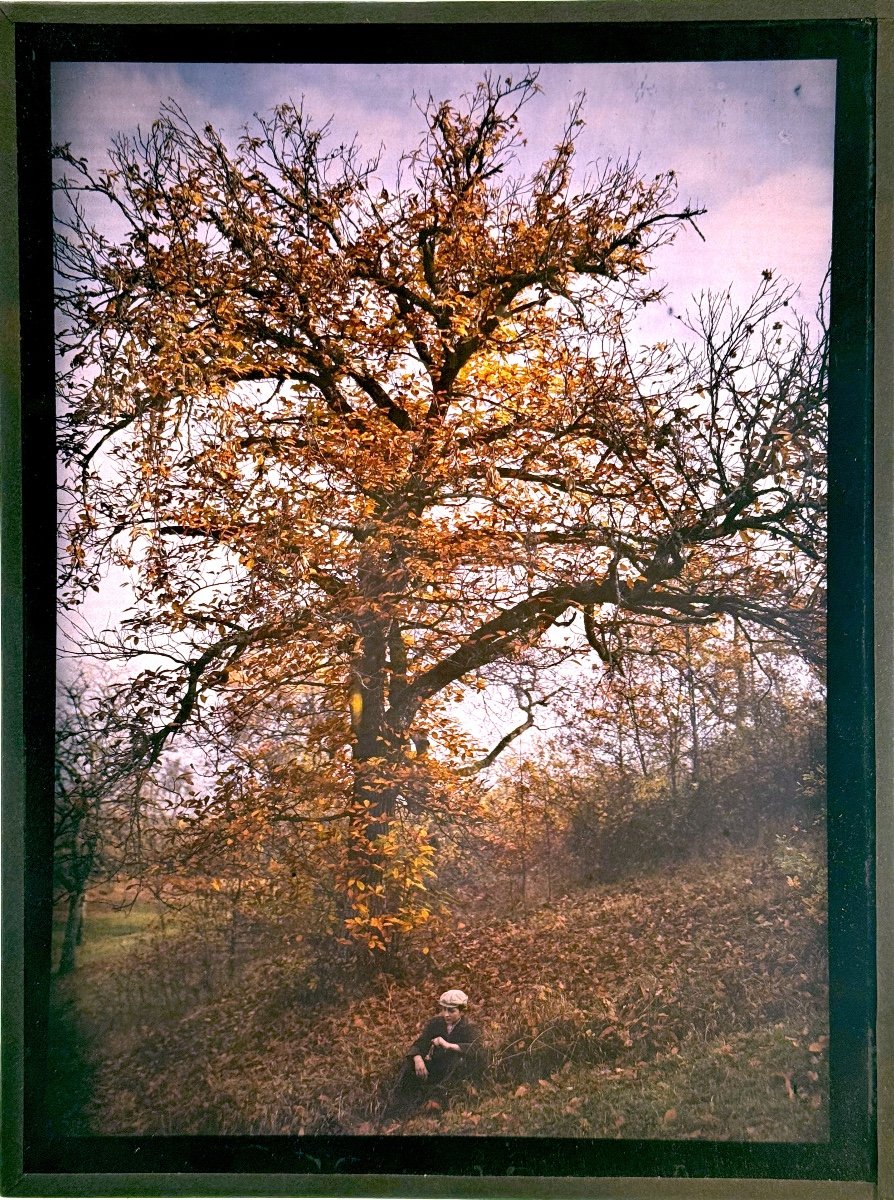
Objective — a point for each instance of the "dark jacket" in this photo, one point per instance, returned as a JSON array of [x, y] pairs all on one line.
[[441, 1062]]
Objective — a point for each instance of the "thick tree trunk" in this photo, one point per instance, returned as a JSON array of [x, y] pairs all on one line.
[[372, 749], [73, 932], [695, 741], [376, 752]]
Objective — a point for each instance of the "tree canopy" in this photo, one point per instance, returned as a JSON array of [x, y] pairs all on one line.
[[364, 445]]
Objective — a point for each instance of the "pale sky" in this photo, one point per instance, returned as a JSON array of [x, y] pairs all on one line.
[[750, 141]]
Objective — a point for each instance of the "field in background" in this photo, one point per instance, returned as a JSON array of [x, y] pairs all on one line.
[[113, 925]]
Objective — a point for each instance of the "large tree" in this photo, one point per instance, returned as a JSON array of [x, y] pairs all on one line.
[[364, 443]]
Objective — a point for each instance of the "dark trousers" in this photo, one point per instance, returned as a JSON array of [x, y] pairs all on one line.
[[409, 1091]]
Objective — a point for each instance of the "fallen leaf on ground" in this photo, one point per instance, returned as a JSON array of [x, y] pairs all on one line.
[[786, 1077]]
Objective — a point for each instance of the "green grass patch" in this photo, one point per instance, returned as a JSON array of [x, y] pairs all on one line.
[[110, 931]]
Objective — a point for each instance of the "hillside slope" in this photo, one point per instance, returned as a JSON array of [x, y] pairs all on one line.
[[691, 1003]]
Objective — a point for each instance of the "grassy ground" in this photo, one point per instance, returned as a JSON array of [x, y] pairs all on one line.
[[723, 1090], [110, 929], [690, 1004]]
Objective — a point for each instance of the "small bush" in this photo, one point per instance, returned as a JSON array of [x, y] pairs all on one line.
[[539, 1033]]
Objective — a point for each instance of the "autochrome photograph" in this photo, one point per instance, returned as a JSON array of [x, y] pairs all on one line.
[[441, 714]]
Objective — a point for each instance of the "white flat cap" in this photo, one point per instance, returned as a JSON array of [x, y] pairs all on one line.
[[454, 996]]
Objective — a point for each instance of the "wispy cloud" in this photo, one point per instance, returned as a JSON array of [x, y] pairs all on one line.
[[752, 141]]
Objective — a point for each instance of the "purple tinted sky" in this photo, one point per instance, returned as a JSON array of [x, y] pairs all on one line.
[[751, 141]]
